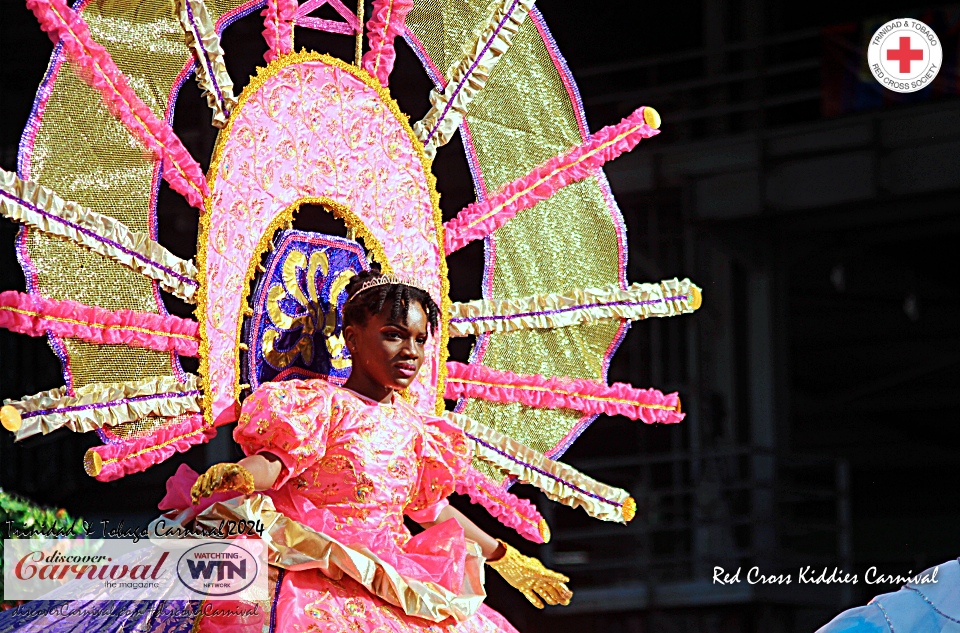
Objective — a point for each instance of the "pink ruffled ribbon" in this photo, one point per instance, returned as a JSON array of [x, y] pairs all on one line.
[[480, 219], [136, 455], [278, 20], [37, 316], [389, 20], [97, 69], [512, 511], [586, 396]]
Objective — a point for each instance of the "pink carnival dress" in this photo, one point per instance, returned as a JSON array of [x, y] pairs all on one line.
[[352, 468]]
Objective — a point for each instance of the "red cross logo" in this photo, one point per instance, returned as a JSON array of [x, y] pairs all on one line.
[[905, 54]]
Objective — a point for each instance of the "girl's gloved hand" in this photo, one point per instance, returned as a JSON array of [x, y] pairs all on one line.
[[530, 577], [221, 478]]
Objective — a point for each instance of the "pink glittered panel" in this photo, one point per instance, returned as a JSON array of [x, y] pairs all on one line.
[[314, 130]]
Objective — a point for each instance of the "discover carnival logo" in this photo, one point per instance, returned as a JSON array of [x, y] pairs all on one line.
[[123, 569], [905, 55]]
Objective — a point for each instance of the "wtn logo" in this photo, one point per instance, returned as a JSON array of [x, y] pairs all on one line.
[[219, 569], [225, 569]]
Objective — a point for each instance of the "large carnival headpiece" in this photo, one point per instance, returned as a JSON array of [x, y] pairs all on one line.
[[313, 129]]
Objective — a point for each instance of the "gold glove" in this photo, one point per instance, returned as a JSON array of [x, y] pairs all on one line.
[[528, 575], [221, 478]]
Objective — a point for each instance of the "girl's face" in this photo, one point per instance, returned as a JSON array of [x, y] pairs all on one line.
[[386, 352]]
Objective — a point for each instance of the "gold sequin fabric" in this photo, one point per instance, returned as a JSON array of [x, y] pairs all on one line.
[[524, 116], [85, 155]]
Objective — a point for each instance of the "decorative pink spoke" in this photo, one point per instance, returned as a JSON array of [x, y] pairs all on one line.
[[98, 70], [34, 315], [483, 218], [113, 461], [586, 396], [330, 26], [351, 27]]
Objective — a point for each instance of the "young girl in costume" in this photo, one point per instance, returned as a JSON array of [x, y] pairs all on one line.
[[348, 463]]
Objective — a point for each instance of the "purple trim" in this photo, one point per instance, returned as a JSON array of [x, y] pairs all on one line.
[[542, 472], [574, 93], [460, 85], [560, 63], [24, 155], [490, 258], [276, 599], [56, 344], [23, 257], [567, 441], [420, 51], [619, 224], [31, 281], [473, 163], [621, 229], [479, 351], [112, 403], [36, 113], [585, 306], [242, 11], [206, 59], [479, 186], [95, 235]]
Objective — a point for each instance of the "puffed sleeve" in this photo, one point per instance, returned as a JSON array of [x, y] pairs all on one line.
[[444, 456], [290, 419]]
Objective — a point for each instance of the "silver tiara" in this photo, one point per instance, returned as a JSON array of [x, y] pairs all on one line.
[[391, 279]]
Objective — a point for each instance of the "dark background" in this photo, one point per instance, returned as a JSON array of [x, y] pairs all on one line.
[[819, 214]]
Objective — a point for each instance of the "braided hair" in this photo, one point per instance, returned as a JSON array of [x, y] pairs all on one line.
[[371, 301]]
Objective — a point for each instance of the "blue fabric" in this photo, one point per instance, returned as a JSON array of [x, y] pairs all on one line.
[[915, 608], [310, 318]]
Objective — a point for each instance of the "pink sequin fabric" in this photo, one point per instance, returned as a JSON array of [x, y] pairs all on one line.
[[352, 468]]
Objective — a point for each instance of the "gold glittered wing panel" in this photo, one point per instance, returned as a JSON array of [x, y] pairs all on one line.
[[527, 112], [76, 146]]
